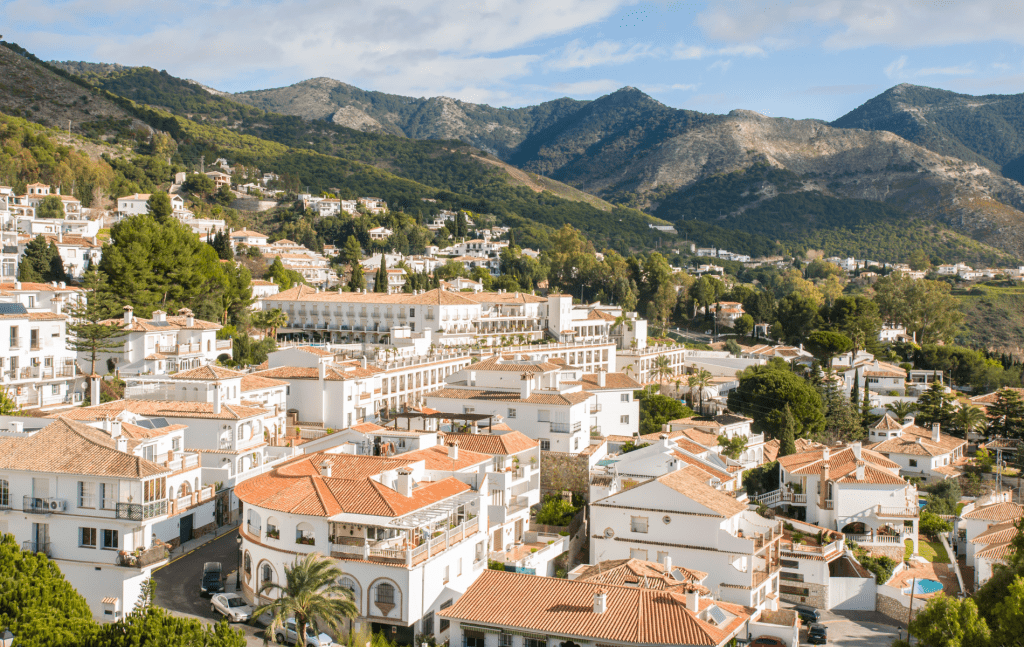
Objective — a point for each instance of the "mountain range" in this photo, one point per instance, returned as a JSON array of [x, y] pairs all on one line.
[[925, 154]]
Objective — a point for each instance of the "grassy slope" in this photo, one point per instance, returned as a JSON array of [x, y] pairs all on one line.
[[993, 317]]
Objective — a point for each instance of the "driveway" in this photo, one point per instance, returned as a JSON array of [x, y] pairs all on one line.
[[854, 628], [177, 583]]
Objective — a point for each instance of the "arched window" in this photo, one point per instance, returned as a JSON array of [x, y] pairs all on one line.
[[266, 573], [248, 565], [5, 494], [385, 594]]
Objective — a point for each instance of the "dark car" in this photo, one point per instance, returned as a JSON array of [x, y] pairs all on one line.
[[808, 614], [213, 579], [817, 635]]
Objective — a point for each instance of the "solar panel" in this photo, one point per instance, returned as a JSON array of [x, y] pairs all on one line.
[[717, 615], [12, 309], [145, 424], [159, 423], [158, 323]]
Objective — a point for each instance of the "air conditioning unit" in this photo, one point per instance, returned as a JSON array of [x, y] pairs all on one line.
[[57, 505]]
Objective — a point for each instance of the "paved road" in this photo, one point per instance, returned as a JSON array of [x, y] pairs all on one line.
[[854, 629], [177, 583]]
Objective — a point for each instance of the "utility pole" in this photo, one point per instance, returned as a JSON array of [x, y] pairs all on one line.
[[202, 164]]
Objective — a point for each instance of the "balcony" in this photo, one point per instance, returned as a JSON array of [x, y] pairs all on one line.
[[898, 512], [37, 547], [43, 505], [180, 349], [139, 511], [565, 427], [595, 408], [142, 558], [224, 344], [397, 552]]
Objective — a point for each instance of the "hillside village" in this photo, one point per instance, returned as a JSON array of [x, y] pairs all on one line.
[[501, 433]]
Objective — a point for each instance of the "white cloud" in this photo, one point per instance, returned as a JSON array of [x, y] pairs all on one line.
[[668, 87], [722, 65], [586, 88], [682, 51], [895, 69], [947, 71], [426, 47], [898, 70], [576, 54], [851, 24]]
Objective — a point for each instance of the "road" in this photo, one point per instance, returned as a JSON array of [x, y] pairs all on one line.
[[854, 629], [177, 583]]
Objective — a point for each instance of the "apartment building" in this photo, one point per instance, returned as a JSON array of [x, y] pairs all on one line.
[[163, 344], [682, 518], [138, 204], [36, 366], [89, 499], [530, 395], [409, 539], [851, 489]]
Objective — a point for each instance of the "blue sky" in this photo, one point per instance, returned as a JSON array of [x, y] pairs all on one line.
[[801, 59]]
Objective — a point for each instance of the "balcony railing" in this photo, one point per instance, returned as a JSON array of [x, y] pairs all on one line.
[[898, 511], [43, 505], [224, 344], [595, 408], [565, 427], [140, 511], [37, 547], [143, 558]]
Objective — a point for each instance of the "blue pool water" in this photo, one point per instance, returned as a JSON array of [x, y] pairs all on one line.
[[921, 503], [925, 586]]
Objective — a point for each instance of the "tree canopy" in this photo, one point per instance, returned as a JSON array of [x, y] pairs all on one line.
[[764, 393]]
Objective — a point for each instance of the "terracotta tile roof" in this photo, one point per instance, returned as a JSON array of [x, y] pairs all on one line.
[[209, 373], [888, 422], [996, 552], [712, 471], [612, 382], [907, 443], [368, 428], [28, 286], [693, 486], [68, 447], [992, 398], [842, 463], [140, 433], [298, 487], [649, 575], [504, 297], [430, 297], [771, 450], [161, 408], [702, 438], [551, 605], [259, 382], [997, 533], [996, 512], [492, 444], [513, 396], [872, 475], [313, 373], [509, 365], [173, 323], [436, 458], [246, 233]]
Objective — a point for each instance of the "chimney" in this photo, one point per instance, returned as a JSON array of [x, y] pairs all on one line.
[[159, 315], [127, 310], [321, 371], [935, 432], [405, 482], [860, 470], [95, 398], [668, 564], [216, 397], [601, 601], [908, 420], [823, 496], [17, 285], [17, 427], [60, 235], [693, 601], [362, 361], [601, 377], [920, 441], [666, 428], [325, 469], [856, 450], [526, 388], [453, 451], [122, 444]]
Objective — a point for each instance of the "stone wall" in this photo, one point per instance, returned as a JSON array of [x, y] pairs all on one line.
[[252, 204], [895, 610], [817, 594], [561, 472]]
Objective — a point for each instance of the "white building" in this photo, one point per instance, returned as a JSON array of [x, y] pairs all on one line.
[[138, 204], [165, 344], [77, 252], [37, 368], [247, 237], [929, 455], [984, 532], [409, 539], [682, 518]]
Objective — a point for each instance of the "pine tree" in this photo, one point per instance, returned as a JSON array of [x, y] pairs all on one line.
[[356, 280], [935, 405], [87, 334], [352, 251], [159, 206], [1006, 414], [380, 282], [787, 434]]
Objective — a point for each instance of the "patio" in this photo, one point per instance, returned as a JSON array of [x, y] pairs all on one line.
[[943, 573]]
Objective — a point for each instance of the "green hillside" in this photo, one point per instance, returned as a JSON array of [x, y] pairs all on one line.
[[992, 317]]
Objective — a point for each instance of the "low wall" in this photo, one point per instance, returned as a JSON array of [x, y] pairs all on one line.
[[893, 604], [560, 472]]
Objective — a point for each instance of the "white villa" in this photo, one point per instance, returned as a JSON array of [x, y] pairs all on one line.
[[164, 345]]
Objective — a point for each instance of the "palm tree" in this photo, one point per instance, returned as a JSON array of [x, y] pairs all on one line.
[[272, 320], [629, 368], [662, 369], [699, 381], [901, 408], [968, 418], [311, 595]]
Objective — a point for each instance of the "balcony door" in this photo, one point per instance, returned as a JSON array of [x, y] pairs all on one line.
[[41, 535]]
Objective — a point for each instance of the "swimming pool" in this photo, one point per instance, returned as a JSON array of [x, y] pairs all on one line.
[[922, 587]]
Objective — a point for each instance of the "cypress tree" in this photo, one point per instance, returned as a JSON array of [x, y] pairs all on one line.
[[356, 281], [787, 434], [380, 283]]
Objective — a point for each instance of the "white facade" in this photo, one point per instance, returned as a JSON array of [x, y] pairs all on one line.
[[164, 345]]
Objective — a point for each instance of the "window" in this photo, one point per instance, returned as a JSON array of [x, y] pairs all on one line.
[[793, 590], [638, 553], [479, 552], [241, 434], [511, 413], [624, 420], [444, 622], [662, 556], [575, 444], [148, 452], [789, 563], [638, 524], [176, 444], [624, 397], [5, 494], [791, 577], [110, 539], [87, 537], [543, 415], [459, 572], [54, 389], [913, 462], [535, 642], [545, 445], [447, 573], [504, 639], [86, 494], [14, 336], [386, 592], [468, 409], [428, 623], [268, 573]]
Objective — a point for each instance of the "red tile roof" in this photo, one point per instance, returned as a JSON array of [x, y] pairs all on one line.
[[506, 444]]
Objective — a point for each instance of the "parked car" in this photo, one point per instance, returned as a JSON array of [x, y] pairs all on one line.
[[232, 606], [817, 635], [287, 635], [808, 614], [213, 579]]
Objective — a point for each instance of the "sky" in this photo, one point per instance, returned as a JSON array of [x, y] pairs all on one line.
[[802, 59]]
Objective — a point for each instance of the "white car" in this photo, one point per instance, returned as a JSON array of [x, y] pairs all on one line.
[[286, 635], [232, 606]]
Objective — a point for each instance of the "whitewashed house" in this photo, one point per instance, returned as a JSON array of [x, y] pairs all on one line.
[[164, 345], [929, 455]]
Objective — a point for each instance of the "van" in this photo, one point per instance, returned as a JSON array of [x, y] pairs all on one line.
[[808, 614]]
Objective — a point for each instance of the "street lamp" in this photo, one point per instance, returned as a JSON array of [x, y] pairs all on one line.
[[6, 638], [238, 568]]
